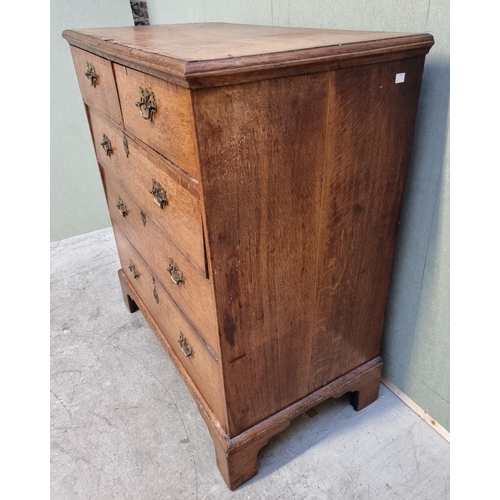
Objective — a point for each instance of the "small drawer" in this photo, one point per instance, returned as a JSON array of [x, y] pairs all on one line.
[[160, 114], [176, 210], [191, 291], [202, 368], [97, 83]]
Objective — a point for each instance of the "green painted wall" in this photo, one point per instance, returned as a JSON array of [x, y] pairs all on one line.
[[77, 202], [416, 339]]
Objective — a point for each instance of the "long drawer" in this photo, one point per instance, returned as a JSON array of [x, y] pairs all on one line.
[[190, 290], [148, 179], [202, 368]]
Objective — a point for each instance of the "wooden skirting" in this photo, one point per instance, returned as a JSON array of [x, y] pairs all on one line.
[[419, 411]]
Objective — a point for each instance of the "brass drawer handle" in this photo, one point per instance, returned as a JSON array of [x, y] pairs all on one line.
[[91, 74], [146, 104], [133, 270], [106, 145], [159, 194], [186, 348], [175, 273], [122, 207]]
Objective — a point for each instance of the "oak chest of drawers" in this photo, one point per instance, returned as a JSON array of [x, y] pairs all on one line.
[[254, 178]]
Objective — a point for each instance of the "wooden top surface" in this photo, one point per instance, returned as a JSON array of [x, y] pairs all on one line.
[[192, 51], [210, 41]]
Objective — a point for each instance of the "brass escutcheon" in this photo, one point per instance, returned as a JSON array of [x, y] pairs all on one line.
[[186, 348], [91, 74], [159, 194], [175, 273], [106, 145], [133, 270], [125, 145], [122, 207], [146, 104]]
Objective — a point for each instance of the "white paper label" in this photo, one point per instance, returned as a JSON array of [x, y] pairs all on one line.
[[400, 77]]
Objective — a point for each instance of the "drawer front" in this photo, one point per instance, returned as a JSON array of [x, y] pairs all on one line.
[[191, 291], [142, 173], [202, 368], [97, 83], [170, 130]]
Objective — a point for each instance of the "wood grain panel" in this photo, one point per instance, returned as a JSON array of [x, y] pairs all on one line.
[[201, 367], [262, 155], [172, 131], [104, 95], [370, 132], [181, 218], [194, 296], [214, 54], [212, 41]]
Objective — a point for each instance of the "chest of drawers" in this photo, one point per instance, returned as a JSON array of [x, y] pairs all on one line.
[[254, 178]]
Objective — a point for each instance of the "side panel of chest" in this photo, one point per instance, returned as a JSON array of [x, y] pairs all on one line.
[[370, 131], [302, 180], [262, 154]]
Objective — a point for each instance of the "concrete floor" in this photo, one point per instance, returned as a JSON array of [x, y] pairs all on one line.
[[124, 426]]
